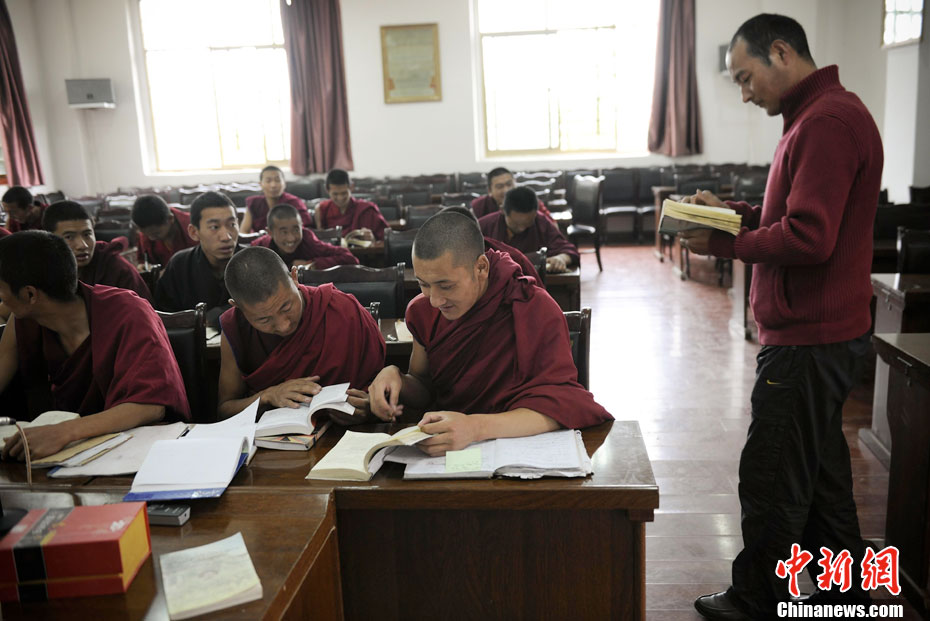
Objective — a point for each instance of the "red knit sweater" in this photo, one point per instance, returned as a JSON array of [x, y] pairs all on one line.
[[811, 240]]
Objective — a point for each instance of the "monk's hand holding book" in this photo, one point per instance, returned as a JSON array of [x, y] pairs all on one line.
[[703, 197], [292, 393], [360, 400], [43, 440], [450, 431], [556, 265], [697, 240]]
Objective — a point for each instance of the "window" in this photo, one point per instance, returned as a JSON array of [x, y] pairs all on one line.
[[903, 21], [217, 81], [566, 76]]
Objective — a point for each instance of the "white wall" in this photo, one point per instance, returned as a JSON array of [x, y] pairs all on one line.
[[100, 150]]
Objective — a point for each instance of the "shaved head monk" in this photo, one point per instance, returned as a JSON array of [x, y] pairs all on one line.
[[24, 213], [282, 341], [297, 245], [492, 244], [162, 229], [522, 226], [491, 355], [96, 350], [99, 263], [500, 181], [358, 218]]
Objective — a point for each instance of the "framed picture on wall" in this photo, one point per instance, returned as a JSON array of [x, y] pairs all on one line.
[[902, 22], [410, 62]]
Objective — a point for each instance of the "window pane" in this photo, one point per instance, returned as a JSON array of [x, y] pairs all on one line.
[[511, 15], [582, 13], [183, 110], [517, 98], [584, 79]]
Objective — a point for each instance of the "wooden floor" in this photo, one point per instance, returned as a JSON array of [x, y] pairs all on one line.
[[661, 354]]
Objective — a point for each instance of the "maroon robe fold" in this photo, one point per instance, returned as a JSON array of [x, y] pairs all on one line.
[[107, 267], [542, 233], [486, 204], [521, 259], [157, 250], [337, 339], [510, 350], [359, 214], [258, 207], [126, 359], [311, 248], [32, 223]]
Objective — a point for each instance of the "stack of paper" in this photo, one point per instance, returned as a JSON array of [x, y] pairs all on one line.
[[208, 578], [677, 217], [198, 465], [554, 454], [126, 458]]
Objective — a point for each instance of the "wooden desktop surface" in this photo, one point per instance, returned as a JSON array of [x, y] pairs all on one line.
[[553, 548]]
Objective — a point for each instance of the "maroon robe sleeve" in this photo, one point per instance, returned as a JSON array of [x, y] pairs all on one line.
[[371, 218], [484, 205], [132, 357], [555, 242], [322, 254], [297, 203]]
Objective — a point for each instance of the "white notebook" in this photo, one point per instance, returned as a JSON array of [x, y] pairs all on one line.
[[554, 454], [304, 419]]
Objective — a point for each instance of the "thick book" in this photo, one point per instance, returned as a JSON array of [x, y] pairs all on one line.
[[74, 552], [306, 418], [677, 217], [553, 454], [353, 457], [200, 464], [209, 578], [293, 441]]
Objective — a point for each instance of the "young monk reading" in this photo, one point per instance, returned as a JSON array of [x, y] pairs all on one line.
[[500, 181], [297, 245], [358, 218], [162, 229], [99, 263], [491, 355], [96, 350], [521, 225], [196, 274], [283, 341], [24, 213], [258, 206]]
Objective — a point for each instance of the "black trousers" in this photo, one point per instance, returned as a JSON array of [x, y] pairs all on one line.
[[795, 478]]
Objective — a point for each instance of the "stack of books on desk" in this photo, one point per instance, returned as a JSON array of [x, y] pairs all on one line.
[[298, 429], [677, 217]]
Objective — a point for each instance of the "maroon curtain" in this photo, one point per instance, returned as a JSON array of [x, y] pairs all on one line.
[[319, 120], [675, 126], [19, 143]]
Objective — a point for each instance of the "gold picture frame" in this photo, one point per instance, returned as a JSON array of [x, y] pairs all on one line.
[[410, 63]]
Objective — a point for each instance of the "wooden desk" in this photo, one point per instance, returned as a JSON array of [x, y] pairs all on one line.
[[564, 288], [290, 537], [902, 305], [555, 548], [906, 524]]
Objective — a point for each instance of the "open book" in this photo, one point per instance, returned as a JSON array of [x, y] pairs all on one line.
[[304, 419], [208, 578], [677, 217], [199, 464], [555, 454], [352, 459], [293, 441]]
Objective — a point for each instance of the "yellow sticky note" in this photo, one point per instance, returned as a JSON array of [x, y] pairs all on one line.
[[466, 460]]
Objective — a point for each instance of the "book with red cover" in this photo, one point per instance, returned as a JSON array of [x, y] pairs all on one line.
[[74, 552]]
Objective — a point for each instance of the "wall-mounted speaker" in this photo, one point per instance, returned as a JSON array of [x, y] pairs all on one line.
[[90, 93]]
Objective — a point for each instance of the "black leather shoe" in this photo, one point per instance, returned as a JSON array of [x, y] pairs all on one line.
[[719, 606]]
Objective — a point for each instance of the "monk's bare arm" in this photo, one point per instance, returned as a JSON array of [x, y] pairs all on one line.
[[49, 439], [9, 356], [453, 431], [246, 226]]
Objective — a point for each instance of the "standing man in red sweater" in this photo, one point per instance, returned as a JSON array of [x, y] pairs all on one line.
[[811, 246]]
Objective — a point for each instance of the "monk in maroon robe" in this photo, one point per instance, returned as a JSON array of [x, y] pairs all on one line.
[[162, 229], [358, 218], [99, 263], [297, 245], [282, 341], [258, 206], [492, 244], [491, 352], [24, 213], [500, 181], [99, 351], [520, 225]]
